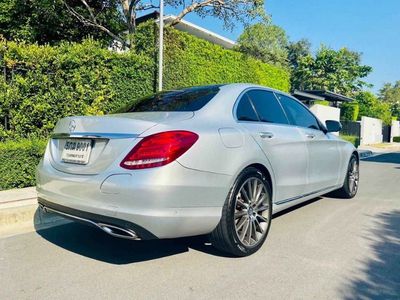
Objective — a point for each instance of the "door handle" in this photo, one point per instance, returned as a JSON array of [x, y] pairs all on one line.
[[310, 135], [266, 135]]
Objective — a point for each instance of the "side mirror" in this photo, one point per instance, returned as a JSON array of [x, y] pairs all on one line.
[[333, 126]]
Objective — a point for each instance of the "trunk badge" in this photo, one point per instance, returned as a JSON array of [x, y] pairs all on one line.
[[72, 126]]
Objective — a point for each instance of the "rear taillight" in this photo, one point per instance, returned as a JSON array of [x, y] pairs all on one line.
[[159, 149]]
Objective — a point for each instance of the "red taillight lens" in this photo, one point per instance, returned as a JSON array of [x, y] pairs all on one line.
[[159, 149]]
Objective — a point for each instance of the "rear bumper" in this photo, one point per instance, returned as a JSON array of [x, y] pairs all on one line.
[[167, 202]]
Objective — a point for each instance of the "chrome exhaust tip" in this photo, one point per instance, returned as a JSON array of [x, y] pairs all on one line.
[[118, 231]]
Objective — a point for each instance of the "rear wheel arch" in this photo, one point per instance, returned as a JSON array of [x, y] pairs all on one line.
[[264, 170]]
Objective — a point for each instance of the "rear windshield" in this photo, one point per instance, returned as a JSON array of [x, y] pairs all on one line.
[[190, 99]]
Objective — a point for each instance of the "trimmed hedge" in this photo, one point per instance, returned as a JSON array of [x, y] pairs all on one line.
[[396, 139], [190, 61], [349, 111], [355, 140], [44, 84], [18, 162], [322, 102]]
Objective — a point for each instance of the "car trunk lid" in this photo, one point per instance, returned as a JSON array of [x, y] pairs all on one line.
[[87, 145]]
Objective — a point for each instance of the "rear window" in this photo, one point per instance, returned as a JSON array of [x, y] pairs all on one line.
[[190, 99]]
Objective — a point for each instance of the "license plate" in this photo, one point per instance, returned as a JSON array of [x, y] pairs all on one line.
[[77, 151]]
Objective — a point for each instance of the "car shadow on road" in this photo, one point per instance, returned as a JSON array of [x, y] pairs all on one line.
[[93, 243], [381, 272], [391, 158]]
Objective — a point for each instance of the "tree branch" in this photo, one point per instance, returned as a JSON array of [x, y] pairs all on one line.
[[93, 22]]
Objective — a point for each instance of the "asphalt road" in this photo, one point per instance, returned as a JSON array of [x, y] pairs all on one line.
[[327, 249]]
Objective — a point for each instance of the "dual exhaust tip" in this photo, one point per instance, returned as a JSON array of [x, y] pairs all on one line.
[[112, 230]]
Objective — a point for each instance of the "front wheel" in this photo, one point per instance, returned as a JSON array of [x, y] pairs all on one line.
[[350, 185], [246, 215]]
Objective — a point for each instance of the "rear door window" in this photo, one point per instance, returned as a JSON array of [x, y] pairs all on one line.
[[245, 110], [267, 107]]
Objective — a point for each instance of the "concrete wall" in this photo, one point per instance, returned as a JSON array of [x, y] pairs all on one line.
[[395, 130], [371, 131], [326, 113]]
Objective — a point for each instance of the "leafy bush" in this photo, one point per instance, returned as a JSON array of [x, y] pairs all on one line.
[[192, 61], [18, 162], [45, 83], [322, 102], [349, 111], [355, 140], [396, 139]]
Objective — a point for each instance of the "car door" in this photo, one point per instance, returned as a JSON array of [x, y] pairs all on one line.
[[323, 150], [261, 114]]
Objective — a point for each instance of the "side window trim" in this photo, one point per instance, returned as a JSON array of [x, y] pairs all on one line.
[[252, 106], [308, 110], [244, 96]]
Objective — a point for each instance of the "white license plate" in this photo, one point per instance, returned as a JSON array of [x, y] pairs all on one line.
[[77, 151]]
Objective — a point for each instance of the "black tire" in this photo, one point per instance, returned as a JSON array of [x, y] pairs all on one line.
[[233, 224], [348, 190]]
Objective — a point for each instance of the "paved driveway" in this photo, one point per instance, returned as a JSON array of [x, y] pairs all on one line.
[[329, 248]]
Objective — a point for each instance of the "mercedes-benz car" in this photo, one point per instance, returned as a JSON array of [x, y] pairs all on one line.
[[215, 160]]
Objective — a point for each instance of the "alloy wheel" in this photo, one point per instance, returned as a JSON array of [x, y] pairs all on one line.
[[252, 212], [353, 176]]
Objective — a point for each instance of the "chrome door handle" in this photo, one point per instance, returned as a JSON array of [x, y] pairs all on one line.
[[310, 135], [266, 135]]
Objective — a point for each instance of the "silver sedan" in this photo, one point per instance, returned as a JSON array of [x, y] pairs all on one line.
[[216, 160]]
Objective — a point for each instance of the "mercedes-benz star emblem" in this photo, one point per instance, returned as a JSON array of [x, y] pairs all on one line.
[[72, 126]]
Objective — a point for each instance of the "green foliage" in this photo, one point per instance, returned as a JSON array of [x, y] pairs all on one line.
[[390, 94], [48, 21], [396, 139], [321, 102], [370, 106], [192, 61], [18, 162], [349, 111], [265, 42], [298, 50], [44, 84], [355, 140], [338, 71]]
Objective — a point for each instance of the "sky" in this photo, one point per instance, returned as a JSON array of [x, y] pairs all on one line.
[[371, 27]]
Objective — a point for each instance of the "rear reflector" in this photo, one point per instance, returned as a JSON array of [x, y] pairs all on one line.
[[159, 149]]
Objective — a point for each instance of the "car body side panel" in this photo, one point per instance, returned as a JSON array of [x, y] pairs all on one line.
[[287, 153], [323, 159]]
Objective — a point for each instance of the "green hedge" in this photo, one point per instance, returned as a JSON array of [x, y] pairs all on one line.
[[18, 162], [322, 102], [396, 139], [355, 140], [349, 111], [44, 83], [190, 61]]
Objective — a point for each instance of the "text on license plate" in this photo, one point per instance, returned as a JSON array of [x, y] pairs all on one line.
[[76, 151]]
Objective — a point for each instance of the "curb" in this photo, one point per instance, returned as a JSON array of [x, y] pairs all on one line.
[[19, 213]]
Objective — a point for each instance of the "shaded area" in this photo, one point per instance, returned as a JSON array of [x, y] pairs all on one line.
[[381, 274], [93, 243], [391, 158]]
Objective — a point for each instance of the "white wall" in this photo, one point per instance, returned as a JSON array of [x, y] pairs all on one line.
[[324, 113], [371, 131], [395, 130]]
